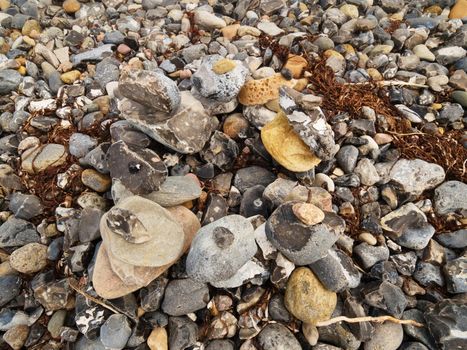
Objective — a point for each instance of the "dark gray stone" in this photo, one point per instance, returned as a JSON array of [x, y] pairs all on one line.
[[25, 206], [184, 296], [277, 310], [9, 80], [456, 277], [251, 176], [447, 322], [428, 274], [387, 297], [336, 271], [421, 334], [17, 232], [183, 333], [277, 337], [370, 255], [10, 287], [141, 171], [347, 158], [300, 243], [115, 332]]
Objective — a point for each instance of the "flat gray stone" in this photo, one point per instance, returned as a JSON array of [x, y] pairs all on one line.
[[450, 197], [175, 190], [17, 232]]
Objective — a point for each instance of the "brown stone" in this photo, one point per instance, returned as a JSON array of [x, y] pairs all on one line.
[[16, 336], [230, 31], [235, 125]]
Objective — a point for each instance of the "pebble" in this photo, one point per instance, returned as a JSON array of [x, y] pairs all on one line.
[[387, 335], [184, 296], [25, 206], [220, 249], [277, 336], [10, 287], [157, 340], [29, 259], [115, 332], [15, 337], [95, 180], [450, 197], [307, 299]]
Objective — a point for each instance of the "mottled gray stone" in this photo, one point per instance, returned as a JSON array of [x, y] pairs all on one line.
[[408, 226], [220, 248], [447, 322], [456, 276], [9, 80], [300, 243], [450, 197], [151, 89], [175, 190], [17, 232], [184, 296], [415, 176], [275, 336], [219, 87]]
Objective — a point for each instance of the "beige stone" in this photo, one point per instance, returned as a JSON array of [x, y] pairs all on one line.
[[307, 299], [109, 285], [30, 258], [286, 147], [230, 31], [166, 234], [95, 180], [258, 92], [223, 66], [70, 77], [308, 213], [157, 340], [296, 64], [31, 26]]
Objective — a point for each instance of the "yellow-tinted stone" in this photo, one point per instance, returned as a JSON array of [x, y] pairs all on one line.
[[307, 299], [230, 31], [301, 84], [95, 180], [435, 9], [158, 339], [71, 6], [436, 106], [286, 147], [31, 26], [235, 125], [349, 10], [374, 74], [4, 4], [333, 53], [258, 92], [459, 10], [70, 77], [348, 48], [223, 66], [296, 64], [22, 70]]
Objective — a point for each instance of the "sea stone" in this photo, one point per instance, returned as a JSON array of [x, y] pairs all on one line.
[[297, 156], [216, 79], [307, 299], [415, 176], [301, 243], [276, 336], [258, 92], [166, 235], [109, 285], [220, 249], [17, 232], [446, 322], [450, 197], [408, 226], [315, 132], [30, 258], [187, 131], [141, 171], [152, 89], [175, 190], [43, 157]]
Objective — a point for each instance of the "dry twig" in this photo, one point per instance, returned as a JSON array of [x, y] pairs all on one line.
[[379, 319], [74, 285]]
